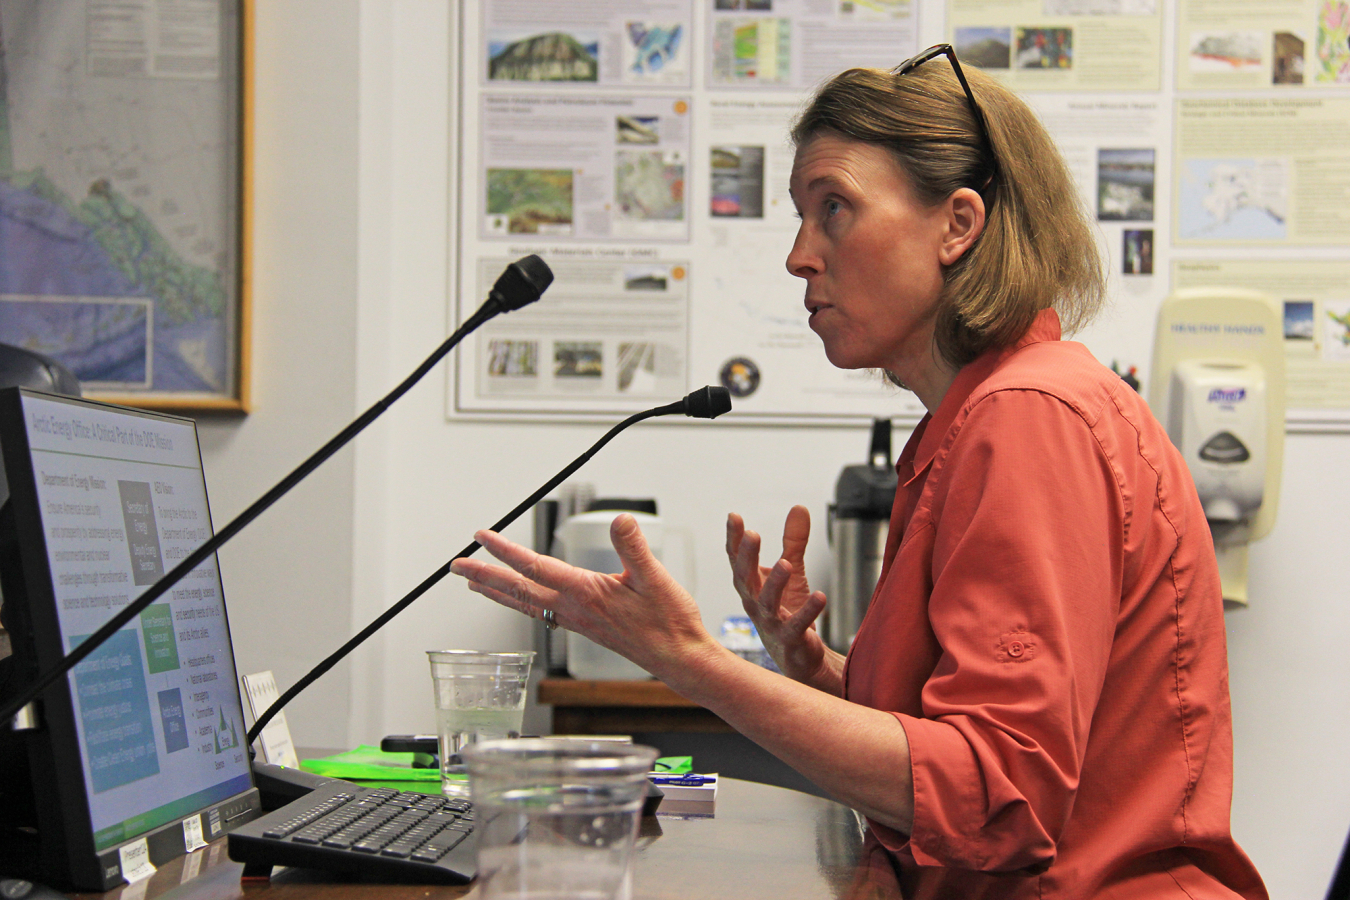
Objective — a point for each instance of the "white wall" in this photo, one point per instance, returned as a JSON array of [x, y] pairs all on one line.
[[289, 575], [1289, 674], [351, 202]]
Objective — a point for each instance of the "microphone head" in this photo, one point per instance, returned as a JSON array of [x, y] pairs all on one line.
[[707, 402], [521, 283]]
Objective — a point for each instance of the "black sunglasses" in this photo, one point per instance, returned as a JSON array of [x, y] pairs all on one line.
[[948, 51]]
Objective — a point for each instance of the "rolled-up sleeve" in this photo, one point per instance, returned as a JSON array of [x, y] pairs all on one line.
[[1027, 532]]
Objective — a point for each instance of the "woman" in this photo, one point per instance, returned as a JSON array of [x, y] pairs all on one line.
[[1036, 702]]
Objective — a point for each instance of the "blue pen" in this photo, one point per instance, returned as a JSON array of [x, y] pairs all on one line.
[[682, 780]]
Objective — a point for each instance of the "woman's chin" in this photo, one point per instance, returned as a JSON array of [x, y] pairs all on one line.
[[840, 358]]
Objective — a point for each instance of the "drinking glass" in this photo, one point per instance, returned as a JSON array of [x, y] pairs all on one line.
[[557, 818], [479, 696]]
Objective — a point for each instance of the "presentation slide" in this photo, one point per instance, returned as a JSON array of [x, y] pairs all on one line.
[[123, 501]]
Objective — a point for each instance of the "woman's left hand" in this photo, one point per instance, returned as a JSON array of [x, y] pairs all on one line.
[[780, 602], [642, 614]]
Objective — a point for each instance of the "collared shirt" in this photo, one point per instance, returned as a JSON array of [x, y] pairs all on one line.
[[1048, 629]]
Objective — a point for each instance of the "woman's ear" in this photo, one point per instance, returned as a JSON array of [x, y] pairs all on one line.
[[965, 223]]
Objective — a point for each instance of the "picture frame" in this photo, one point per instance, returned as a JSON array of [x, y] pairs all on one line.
[[125, 184]]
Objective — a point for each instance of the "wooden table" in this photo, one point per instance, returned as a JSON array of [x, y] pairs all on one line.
[[763, 843], [654, 714], [623, 707]]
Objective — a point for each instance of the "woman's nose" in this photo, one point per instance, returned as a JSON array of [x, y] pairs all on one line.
[[801, 260]]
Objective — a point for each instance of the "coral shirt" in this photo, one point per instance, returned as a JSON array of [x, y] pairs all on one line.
[[1048, 629]]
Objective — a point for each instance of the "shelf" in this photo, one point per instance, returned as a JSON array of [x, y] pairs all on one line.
[[622, 707]]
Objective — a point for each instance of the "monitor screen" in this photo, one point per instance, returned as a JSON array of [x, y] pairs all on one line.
[[147, 735]]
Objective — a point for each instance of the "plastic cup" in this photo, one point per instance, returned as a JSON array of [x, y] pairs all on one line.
[[479, 696], [557, 818]]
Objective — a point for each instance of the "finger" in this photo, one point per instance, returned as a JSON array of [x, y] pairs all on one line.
[[803, 618], [634, 552], [469, 568], [545, 570], [510, 601], [745, 567], [771, 595], [735, 533], [796, 533], [504, 585], [478, 574]]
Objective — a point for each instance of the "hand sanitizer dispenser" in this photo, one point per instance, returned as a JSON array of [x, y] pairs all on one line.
[[1218, 388], [1217, 413]]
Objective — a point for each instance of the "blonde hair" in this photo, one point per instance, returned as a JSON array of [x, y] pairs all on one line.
[[1037, 249]]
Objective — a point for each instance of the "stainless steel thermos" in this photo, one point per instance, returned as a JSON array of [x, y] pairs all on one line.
[[858, 521]]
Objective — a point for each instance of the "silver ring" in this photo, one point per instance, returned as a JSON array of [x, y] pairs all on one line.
[[550, 620]]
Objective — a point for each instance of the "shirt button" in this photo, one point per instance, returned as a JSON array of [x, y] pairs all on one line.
[[1016, 649]]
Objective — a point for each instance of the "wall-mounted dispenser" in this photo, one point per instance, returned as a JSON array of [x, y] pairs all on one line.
[[1218, 388]]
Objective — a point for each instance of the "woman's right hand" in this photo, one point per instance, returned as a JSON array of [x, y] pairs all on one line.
[[780, 602]]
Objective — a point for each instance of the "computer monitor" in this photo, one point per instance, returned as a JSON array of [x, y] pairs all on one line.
[[138, 754]]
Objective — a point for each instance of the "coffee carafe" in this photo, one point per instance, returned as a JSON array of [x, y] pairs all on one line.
[[859, 518]]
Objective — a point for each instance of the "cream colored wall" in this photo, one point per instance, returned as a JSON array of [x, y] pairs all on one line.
[[351, 239]]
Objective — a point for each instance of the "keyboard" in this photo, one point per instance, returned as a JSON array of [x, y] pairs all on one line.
[[378, 834]]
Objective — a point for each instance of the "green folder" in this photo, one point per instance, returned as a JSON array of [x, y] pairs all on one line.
[[367, 763]]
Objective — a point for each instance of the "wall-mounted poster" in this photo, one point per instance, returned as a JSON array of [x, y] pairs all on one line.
[[640, 147], [122, 183]]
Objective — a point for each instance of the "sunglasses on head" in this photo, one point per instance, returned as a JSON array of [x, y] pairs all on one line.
[[948, 51]]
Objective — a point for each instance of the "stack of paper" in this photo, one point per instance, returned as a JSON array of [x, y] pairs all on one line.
[[686, 794]]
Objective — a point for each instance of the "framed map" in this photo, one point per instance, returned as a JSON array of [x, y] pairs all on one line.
[[123, 184]]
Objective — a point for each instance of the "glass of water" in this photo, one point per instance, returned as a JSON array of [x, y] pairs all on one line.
[[557, 818], [479, 696]]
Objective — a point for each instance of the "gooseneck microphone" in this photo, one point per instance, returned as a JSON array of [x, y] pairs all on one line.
[[704, 403], [520, 284]]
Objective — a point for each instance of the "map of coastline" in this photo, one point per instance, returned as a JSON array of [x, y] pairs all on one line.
[[94, 281]]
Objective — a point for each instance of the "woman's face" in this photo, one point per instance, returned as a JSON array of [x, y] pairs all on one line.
[[871, 254]]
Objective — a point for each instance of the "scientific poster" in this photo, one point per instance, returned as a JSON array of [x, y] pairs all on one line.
[[641, 149]]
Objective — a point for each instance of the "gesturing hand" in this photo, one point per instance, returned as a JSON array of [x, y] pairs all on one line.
[[641, 613], [778, 598]]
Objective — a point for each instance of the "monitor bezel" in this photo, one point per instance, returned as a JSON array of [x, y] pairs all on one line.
[[66, 853]]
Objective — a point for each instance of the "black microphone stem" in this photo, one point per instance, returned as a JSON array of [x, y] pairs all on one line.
[[155, 591], [444, 570]]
